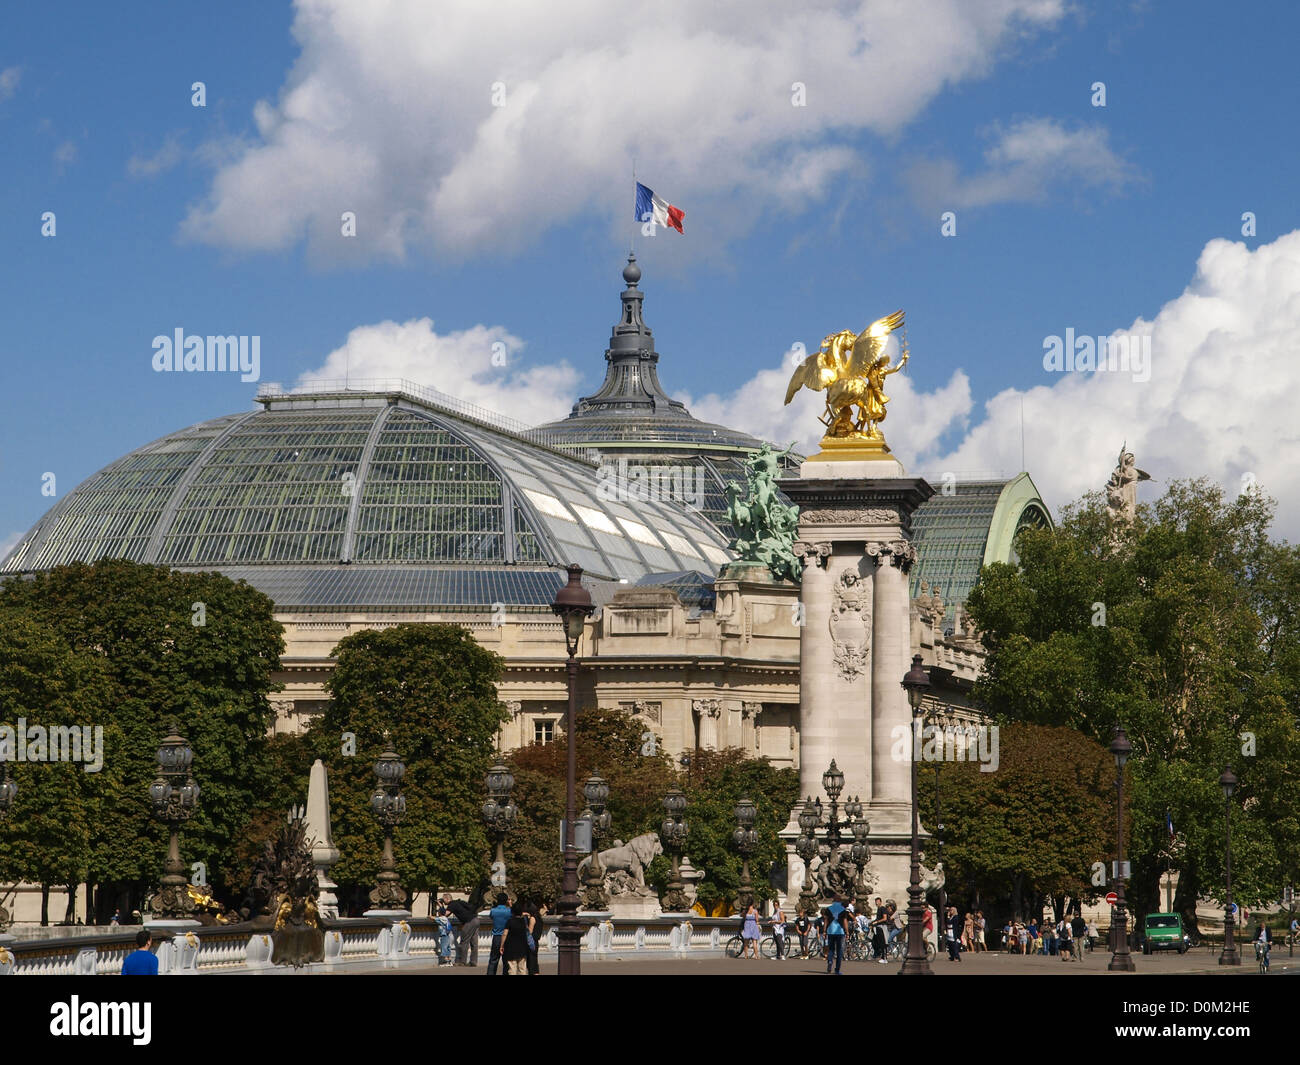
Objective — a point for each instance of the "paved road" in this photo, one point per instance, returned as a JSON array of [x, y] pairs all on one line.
[[1196, 961]]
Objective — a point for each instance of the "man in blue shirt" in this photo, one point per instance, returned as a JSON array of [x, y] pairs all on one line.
[[835, 935], [500, 914], [141, 961]]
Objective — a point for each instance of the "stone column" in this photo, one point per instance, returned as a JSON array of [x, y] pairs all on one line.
[[708, 711], [891, 718]]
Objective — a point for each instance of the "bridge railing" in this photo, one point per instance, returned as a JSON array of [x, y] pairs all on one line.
[[349, 943]]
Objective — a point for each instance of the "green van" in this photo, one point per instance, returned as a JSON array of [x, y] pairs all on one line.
[[1164, 931]]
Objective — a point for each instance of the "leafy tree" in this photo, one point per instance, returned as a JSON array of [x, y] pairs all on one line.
[[1032, 827], [433, 688], [192, 649], [1185, 628], [717, 779]]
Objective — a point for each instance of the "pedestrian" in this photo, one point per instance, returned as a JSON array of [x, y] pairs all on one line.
[[533, 911], [467, 933], [443, 916], [878, 931], [500, 916], [1079, 927], [117, 918], [929, 925], [968, 932], [895, 927], [1063, 945], [952, 931], [833, 915], [749, 932], [142, 961], [803, 926], [1049, 938], [515, 934], [980, 945], [778, 930]]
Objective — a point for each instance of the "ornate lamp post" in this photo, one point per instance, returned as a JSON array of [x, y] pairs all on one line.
[[8, 793], [672, 834], [746, 840], [596, 792], [175, 798], [1121, 961], [806, 847], [1230, 955], [499, 815], [916, 683], [573, 606], [388, 804]]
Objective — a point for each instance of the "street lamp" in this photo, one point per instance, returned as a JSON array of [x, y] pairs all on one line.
[[175, 798], [916, 683], [596, 792], [806, 847], [1121, 960], [746, 840], [499, 815], [1230, 955], [672, 834], [8, 793], [388, 804], [573, 606]]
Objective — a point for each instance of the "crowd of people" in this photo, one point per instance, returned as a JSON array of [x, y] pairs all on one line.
[[1066, 938], [515, 931]]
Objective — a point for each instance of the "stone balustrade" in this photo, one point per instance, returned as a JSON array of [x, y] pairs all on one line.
[[353, 943]]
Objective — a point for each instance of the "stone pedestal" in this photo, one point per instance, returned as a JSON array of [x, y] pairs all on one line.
[[855, 541]]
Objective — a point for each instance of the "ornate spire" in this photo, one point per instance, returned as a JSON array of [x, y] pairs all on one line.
[[632, 376]]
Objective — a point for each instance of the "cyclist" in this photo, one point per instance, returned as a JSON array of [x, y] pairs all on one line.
[[1263, 941], [1295, 929]]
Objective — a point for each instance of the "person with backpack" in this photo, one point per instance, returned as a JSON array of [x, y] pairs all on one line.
[[833, 915]]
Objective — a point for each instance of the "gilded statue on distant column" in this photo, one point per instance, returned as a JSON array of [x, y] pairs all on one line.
[[851, 369]]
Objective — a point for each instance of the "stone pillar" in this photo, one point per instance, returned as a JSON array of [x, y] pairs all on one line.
[[320, 838], [854, 538], [708, 711]]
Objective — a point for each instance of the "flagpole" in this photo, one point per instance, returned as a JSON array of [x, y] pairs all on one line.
[[631, 244]]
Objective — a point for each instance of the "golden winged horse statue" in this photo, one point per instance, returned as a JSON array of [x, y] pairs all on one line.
[[851, 370]]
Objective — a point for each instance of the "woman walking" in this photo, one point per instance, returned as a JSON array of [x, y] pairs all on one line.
[[968, 932], [749, 932], [514, 942]]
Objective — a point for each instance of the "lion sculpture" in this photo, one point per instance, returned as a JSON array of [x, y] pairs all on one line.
[[631, 857]]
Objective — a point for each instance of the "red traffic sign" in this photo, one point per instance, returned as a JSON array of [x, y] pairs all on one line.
[[1112, 898]]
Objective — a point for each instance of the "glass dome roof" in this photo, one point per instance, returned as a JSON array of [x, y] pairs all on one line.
[[389, 479]]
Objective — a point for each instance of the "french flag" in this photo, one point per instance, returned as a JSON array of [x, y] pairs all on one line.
[[652, 208]]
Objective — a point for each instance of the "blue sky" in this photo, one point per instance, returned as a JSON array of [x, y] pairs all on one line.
[[510, 223]]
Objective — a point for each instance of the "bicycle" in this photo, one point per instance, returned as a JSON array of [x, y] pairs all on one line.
[[898, 948], [1261, 955], [736, 946]]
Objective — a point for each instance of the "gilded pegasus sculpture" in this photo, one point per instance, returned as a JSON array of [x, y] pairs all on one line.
[[851, 370]]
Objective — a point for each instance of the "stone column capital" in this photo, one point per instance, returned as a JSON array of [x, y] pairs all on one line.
[[751, 710], [813, 553], [708, 707], [901, 553]]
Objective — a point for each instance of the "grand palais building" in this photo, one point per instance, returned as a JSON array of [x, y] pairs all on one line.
[[367, 508]]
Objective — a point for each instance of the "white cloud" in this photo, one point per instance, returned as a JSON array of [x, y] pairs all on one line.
[[9, 79], [1220, 401], [64, 156], [480, 365], [388, 113], [1024, 162], [167, 156]]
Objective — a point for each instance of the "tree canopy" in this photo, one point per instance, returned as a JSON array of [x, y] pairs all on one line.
[[1185, 629]]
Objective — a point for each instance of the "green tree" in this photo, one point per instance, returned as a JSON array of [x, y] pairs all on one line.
[[194, 649], [1184, 629], [1032, 827], [434, 689], [717, 779]]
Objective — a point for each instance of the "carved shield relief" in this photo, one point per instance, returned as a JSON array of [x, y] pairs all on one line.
[[850, 623]]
